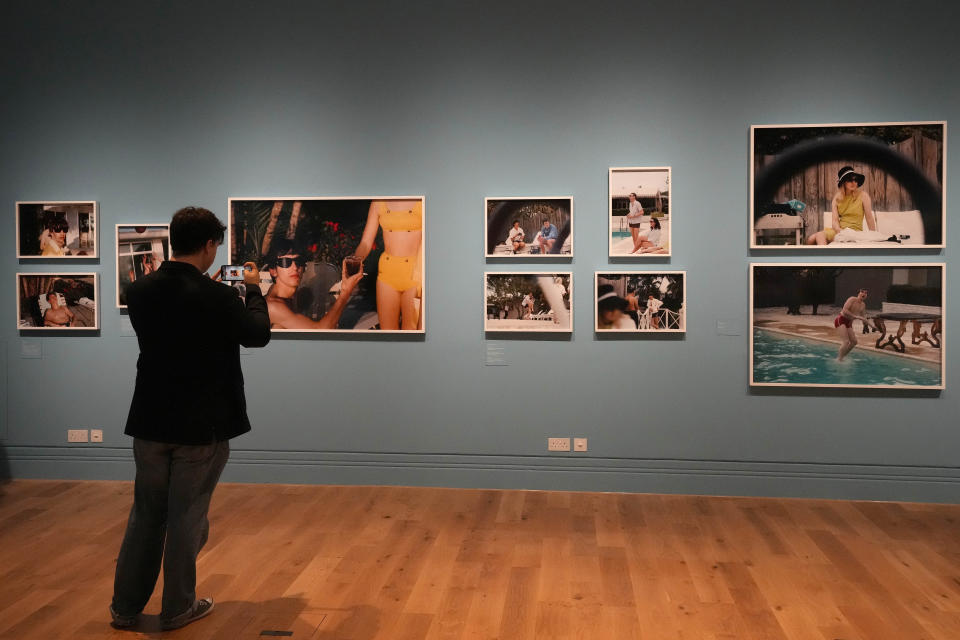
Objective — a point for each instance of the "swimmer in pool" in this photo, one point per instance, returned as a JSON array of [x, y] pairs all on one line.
[[853, 309]]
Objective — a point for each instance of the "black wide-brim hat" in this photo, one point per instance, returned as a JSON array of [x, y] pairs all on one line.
[[845, 173]]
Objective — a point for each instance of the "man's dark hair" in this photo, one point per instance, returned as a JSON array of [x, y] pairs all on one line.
[[191, 228], [281, 247], [515, 222]]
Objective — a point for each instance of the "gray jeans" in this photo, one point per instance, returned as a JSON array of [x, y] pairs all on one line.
[[171, 497]]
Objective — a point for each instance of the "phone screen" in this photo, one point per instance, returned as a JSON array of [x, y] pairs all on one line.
[[231, 273]]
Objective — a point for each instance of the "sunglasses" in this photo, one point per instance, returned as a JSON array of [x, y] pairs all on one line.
[[286, 262]]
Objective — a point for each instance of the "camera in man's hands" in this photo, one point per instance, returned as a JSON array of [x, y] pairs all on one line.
[[232, 273]]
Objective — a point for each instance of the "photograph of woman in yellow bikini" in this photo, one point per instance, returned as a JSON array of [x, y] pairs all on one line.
[[334, 264]]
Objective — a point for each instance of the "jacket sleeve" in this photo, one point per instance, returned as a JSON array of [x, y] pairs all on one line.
[[251, 321]]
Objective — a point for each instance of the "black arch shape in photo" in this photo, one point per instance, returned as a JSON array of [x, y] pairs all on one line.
[[926, 195], [501, 219]]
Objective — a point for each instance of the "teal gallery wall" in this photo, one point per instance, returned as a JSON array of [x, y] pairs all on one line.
[[149, 106]]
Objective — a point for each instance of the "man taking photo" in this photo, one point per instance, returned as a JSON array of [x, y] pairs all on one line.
[[187, 404]]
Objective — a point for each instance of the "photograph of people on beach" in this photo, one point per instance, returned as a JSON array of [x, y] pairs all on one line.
[[848, 186], [140, 250], [55, 301], [847, 325], [639, 212], [632, 301], [528, 302], [529, 227], [57, 229], [334, 264]]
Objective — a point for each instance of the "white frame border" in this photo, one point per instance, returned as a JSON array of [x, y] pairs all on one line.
[[638, 256], [423, 252], [596, 315], [59, 274], [486, 274], [888, 265], [116, 247], [96, 219], [751, 236], [537, 256]]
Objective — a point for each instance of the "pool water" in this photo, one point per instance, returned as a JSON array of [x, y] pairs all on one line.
[[783, 359], [620, 235]]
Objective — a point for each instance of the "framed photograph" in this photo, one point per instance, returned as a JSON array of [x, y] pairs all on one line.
[[528, 302], [140, 250], [55, 301], [867, 325], [640, 301], [639, 212], [848, 186], [526, 227], [335, 264], [57, 229]]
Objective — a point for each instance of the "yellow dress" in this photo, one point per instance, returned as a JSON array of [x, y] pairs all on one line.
[[850, 211]]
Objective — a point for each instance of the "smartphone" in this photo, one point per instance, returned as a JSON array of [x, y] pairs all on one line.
[[231, 273]]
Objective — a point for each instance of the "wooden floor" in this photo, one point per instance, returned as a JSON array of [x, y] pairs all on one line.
[[409, 563]]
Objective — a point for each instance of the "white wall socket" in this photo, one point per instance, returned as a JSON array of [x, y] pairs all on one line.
[[76, 435], [96, 435], [558, 444], [579, 444]]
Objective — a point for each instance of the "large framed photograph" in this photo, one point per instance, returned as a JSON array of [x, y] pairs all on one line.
[[847, 325], [848, 186], [140, 250], [56, 229], [55, 301], [525, 227], [639, 212], [335, 264], [528, 302], [640, 301]]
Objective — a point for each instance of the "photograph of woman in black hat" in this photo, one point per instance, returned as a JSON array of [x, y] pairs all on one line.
[[855, 186]]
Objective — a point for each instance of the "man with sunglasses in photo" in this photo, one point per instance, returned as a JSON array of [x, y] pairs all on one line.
[[286, 265], [53, 240], [188, 402]]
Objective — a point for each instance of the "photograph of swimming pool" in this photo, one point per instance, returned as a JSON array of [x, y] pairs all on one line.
[[866, 325], [638, 214]]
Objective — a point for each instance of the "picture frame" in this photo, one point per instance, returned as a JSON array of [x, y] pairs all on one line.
[[541, 302], [619, 302], [57, 229], [58, 301], [639, 212], [848, 186], [531, 216], [899, 346], [323, 233], [140, 248]]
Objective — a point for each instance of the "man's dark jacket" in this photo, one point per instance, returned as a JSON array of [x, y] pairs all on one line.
[[189, 386]]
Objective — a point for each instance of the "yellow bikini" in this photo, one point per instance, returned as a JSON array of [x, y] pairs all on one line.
[[398, 271]]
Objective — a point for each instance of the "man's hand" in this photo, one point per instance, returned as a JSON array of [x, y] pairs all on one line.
[[251, 275], [349, 283]]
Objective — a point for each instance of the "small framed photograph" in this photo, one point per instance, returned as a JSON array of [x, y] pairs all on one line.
[[524, 227], [57, 229], [639, 212], [528, 302], [848, 186], [341, 264], [640, 301], [140, 250], [55, 301], [864, 325]]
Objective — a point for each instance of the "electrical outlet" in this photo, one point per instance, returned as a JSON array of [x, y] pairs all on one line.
[[96, 435], [579, 444], [558, 444], [77, 435]]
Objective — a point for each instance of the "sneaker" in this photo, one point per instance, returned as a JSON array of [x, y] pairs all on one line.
[[201, 608], [122, 622]]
